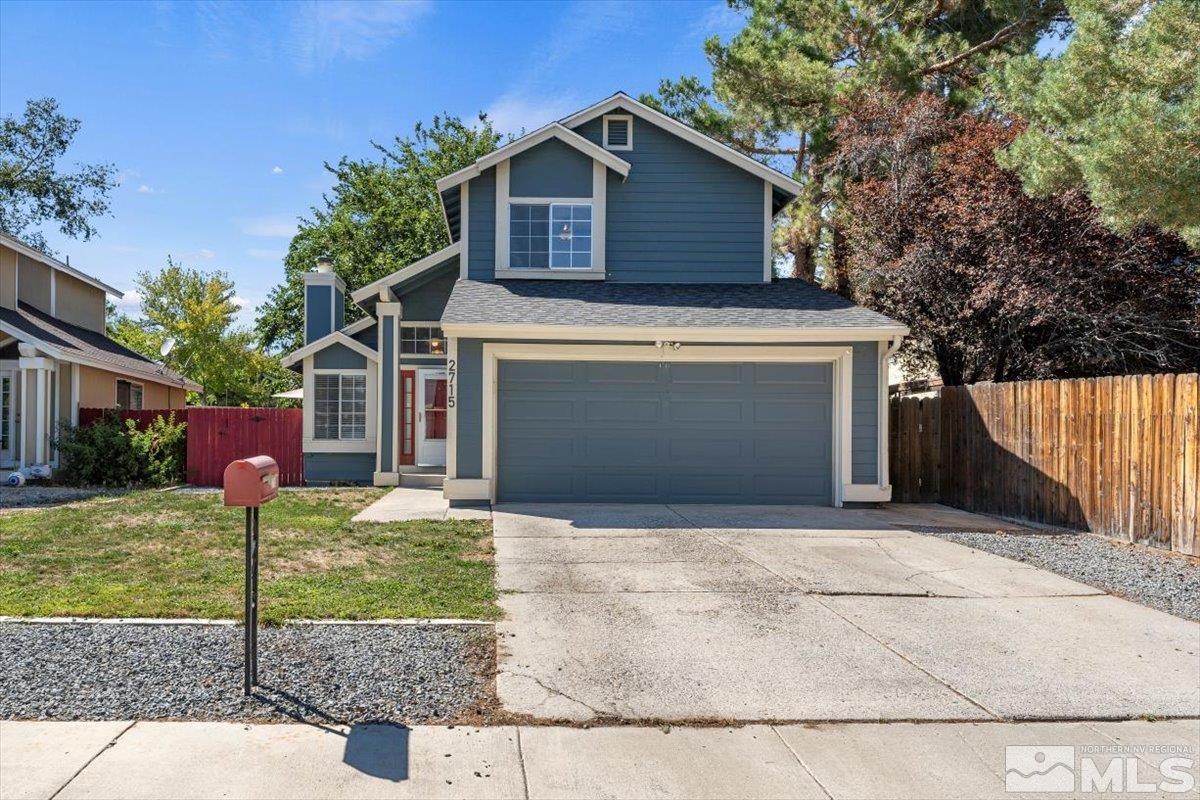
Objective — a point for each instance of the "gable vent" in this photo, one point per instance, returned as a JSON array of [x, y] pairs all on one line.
[[618, 132]]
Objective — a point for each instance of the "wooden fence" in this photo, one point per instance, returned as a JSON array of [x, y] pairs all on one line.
[[216, 436], [1117, 456]]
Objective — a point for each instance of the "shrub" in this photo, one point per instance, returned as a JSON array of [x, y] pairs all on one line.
[[112, 452]]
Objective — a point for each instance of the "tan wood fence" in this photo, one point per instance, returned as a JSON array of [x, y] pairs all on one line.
[[1117, 456]]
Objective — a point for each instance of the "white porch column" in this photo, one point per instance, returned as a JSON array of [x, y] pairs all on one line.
[[35, 368]]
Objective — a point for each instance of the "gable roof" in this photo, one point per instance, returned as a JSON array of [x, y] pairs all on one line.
[[72, 343], [785, 310], [554, 130], [316, 346], [624, 101], [54, 263], [407, 272]]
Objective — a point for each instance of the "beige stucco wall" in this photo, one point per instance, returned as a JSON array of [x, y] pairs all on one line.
[[98, 389], [8, 277], [33, 283], [78, 303]]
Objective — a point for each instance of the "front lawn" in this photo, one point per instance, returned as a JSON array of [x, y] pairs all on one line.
[[156, 554]]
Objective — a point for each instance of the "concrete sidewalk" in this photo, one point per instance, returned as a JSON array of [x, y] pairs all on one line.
[[856, 760]]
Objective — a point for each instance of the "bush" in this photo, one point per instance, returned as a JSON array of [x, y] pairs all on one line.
[[112, 452]]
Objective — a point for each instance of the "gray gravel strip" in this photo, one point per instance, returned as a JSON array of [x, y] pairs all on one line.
[[315, 673], [1167, 582], [33, 496]]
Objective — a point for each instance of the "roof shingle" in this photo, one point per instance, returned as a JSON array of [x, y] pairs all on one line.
[[781, 304]]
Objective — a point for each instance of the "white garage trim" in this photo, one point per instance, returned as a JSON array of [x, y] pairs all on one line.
[[840, 357]]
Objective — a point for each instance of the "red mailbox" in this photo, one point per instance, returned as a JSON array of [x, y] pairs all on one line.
[[250, 482]]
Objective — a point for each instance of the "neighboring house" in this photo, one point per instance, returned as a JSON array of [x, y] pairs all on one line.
[[55, 358], [605, 326]]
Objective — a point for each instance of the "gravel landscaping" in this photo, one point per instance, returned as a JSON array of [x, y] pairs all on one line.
[[1160, 580], [32, 496], [316, 673]]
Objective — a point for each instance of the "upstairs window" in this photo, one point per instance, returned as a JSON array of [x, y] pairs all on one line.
[[550, 235], [340, 406], [422, 341], [618, 132]]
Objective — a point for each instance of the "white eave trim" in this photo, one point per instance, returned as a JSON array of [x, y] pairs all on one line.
[[54, 263], [359, 326], [148, 373], [622, 100], [554, 130], [404, 273], [672, 334], [337, 337]]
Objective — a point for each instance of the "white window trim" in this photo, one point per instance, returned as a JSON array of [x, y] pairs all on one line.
[[314, 445], [598, 201], [841, 357], [629, 127]]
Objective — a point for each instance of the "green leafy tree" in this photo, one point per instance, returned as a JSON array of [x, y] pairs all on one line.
[[197, 309], [1118, 113], [379, 216], [777, 83], [33, 186]]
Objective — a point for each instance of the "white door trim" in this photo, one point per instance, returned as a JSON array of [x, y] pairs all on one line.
[[439, 455], [842, 359]]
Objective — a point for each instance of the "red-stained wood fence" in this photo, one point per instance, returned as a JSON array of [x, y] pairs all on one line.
[[216, 436], [1118, 456]]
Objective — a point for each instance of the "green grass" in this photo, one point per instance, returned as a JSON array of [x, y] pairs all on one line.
[[154, 554]]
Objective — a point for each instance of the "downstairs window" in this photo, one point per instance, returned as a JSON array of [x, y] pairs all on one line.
[[339, 406]]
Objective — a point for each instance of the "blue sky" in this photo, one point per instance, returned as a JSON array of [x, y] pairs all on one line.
[[220, 115]]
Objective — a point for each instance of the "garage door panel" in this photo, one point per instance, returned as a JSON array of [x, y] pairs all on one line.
[[791, 374], [622, 409], [717, 433], [521, 372], [620, 450], [693, 410], [685, 375], [533, 409]]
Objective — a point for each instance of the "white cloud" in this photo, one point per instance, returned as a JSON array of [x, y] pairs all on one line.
[[322, 32], [130, 304], [147, 189], [276, 170], [717, 19], [203, 254], [272, 226], [514, 111], [239, 301]]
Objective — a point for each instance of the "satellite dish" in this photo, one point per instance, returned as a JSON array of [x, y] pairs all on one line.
[[167, 346]]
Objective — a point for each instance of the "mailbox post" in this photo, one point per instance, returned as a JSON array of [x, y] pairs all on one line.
[[250, 482]]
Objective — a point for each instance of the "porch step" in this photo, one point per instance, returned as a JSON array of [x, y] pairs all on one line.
[[422, 480]]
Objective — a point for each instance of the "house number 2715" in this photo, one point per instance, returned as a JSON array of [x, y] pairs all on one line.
[[451, 381]]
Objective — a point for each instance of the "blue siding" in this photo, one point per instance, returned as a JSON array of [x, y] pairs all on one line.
[[551, 169], [864, 416], [316, 320], [683, 215], [323, 468], [864, 408], [427, 301], [368, 336], [338, 356], [482, 228]]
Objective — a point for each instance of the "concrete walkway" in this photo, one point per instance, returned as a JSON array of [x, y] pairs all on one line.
[[900, 760], [406, 503]]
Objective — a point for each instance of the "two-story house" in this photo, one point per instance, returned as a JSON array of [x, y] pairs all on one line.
[[56, 359], [605, 326]]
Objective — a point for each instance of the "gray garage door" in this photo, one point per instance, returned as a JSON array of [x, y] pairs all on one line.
[[656, 433]]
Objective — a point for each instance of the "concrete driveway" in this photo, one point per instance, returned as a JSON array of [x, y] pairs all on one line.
[[806, 613]]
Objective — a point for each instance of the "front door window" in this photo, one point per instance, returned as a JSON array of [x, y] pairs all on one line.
[[435, 408], [431, 417]]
